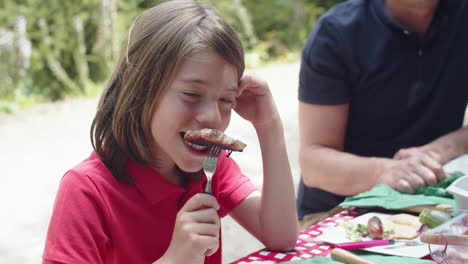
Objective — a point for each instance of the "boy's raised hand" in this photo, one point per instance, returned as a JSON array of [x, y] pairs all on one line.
[[196, 231], [255, 102]]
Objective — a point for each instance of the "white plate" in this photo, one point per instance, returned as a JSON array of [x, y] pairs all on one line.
[[335, 235]]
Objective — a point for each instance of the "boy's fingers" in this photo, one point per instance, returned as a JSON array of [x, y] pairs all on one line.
[[207, 244], [200, 201], [204, 229], [207, 215]]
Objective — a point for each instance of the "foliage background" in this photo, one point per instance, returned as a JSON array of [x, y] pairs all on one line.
[[54, 49]]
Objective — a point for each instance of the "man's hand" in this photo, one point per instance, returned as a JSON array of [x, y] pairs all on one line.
[[196, 231], [411, 169], [425, 156]]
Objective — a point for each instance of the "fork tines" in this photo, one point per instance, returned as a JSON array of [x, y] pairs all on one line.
[[214, 151]]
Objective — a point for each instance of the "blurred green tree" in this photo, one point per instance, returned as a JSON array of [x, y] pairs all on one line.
[[55, 48]]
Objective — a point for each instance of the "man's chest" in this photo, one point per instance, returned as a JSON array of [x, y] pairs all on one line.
[[395, 77]]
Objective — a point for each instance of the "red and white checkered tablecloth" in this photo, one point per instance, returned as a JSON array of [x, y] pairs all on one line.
[[306, 246]]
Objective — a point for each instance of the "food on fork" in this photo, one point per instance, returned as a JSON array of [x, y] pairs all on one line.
[[209, 137]]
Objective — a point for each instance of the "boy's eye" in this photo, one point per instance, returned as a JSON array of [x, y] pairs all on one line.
[[227, 100], [191, 94]]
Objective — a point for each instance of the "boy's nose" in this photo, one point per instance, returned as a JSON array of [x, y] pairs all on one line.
[[209, 116]]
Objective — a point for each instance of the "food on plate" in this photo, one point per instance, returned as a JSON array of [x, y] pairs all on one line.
[[433, 218], [209, 137], [355, 231], [399, 226], [375, 228], [404, 226]]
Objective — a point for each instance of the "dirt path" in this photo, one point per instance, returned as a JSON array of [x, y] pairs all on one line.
[[38, 145]]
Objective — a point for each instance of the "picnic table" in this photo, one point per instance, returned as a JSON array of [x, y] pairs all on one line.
[[308, 246]]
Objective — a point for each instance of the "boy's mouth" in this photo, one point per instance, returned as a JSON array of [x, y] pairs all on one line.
[[198, 147]]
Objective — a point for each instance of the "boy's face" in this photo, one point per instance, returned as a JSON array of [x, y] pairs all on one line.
[[202, 95]]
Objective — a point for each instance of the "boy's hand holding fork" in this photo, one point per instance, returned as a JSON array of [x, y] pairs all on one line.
[[196, 231]]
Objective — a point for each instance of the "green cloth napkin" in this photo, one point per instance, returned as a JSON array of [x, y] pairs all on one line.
[[376, 258], [384, 196], [440, 188]]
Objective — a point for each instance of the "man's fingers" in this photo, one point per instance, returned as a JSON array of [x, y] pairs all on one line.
[[434, 165], [416, 181], [402, 154], [403, 186], [428, 176], [441, 175]]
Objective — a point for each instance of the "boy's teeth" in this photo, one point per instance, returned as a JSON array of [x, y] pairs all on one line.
[[197, 147]]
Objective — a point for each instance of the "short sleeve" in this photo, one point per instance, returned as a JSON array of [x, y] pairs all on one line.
[[323, 73], [231, 185], [77, 232]]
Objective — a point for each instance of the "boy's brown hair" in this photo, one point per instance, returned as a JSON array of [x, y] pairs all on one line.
[[158, 42]]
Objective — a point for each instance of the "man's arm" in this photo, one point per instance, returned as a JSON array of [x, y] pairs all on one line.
[[324, 165], [443, 149]]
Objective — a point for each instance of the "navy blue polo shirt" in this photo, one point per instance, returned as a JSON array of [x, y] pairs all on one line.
[[402, 90]]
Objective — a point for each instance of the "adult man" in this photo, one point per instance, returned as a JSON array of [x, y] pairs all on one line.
[[383, 91]]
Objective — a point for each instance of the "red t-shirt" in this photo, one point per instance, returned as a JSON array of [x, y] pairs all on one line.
[[98, 219]]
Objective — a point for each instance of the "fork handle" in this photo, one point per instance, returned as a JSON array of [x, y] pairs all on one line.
[[208, 188]]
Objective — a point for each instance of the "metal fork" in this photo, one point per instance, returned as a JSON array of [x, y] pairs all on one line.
[[209, 165], [404, 243]]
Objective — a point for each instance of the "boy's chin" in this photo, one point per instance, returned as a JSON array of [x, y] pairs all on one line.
[[190, 169], [194, 172]]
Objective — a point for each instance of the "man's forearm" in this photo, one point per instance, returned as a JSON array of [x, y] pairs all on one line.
[[451, 145], [338, 172]]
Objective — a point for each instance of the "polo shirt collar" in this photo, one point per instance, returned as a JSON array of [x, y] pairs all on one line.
[[156, 188], [440, 18]]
